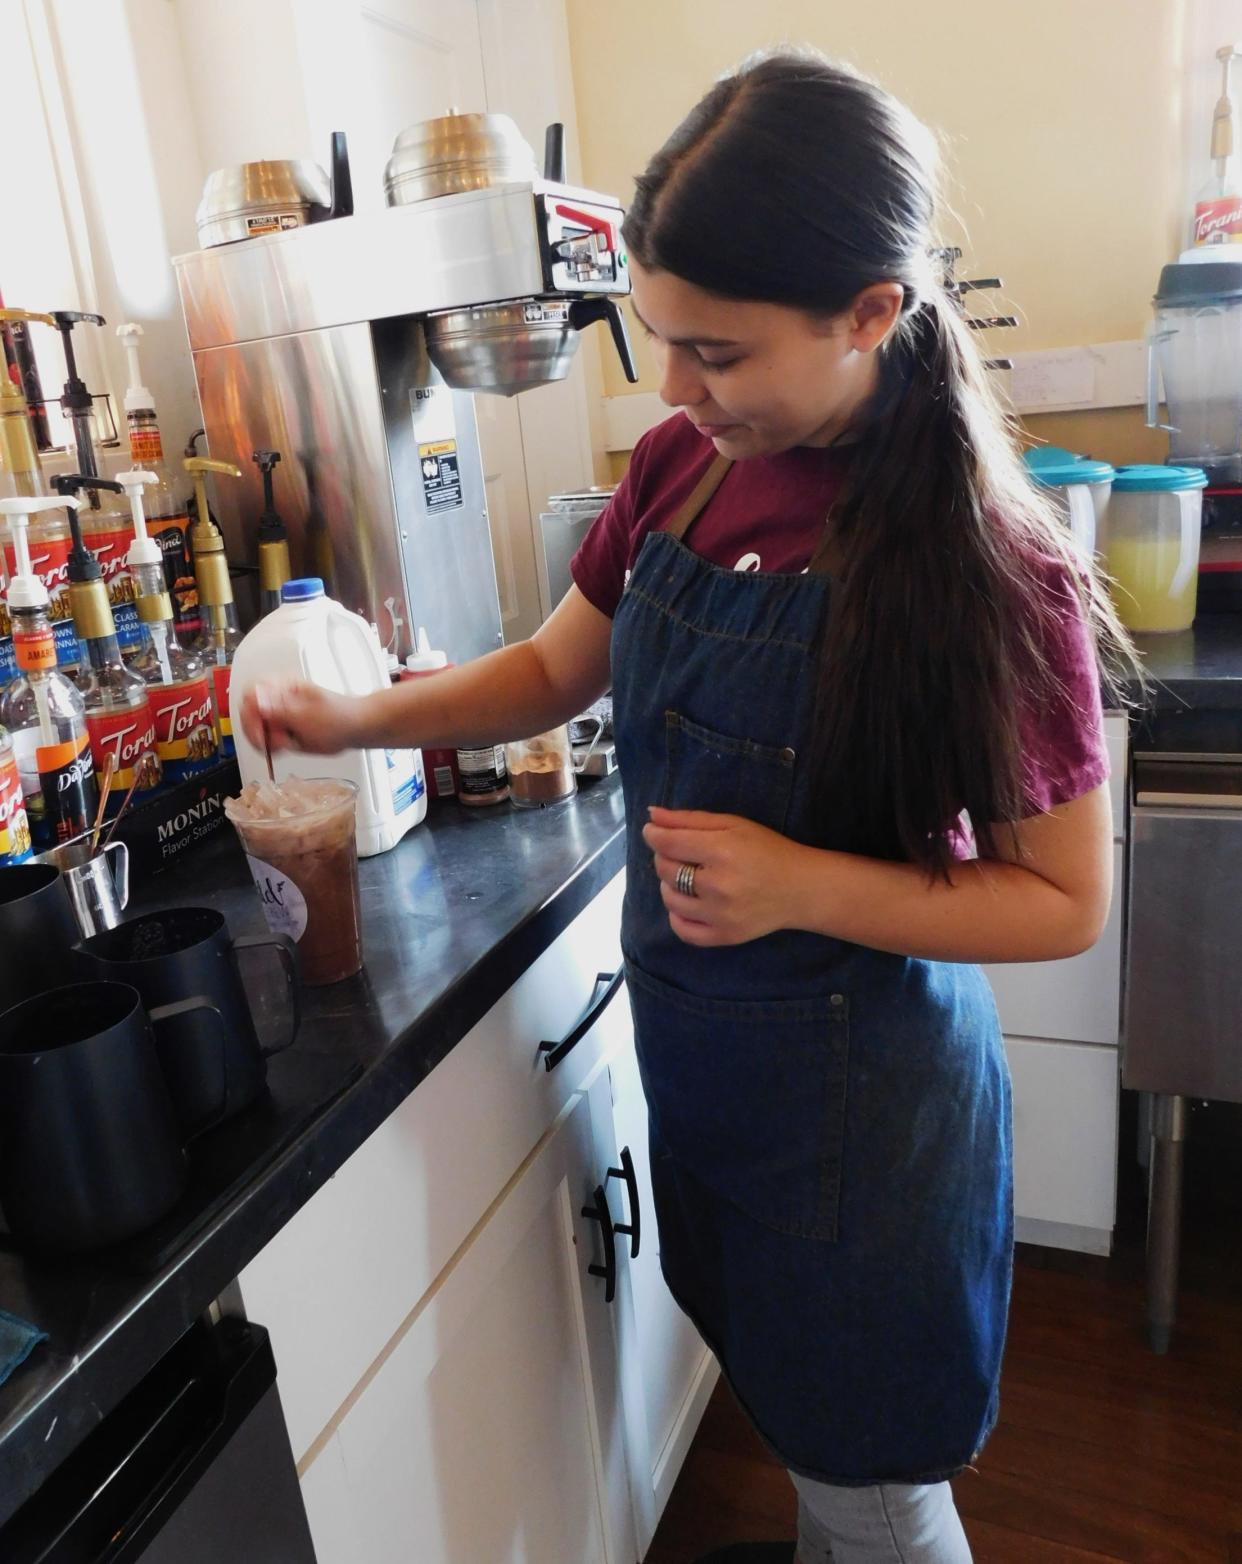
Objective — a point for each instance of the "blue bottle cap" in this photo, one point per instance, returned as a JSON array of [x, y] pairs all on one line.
[[301, 590]]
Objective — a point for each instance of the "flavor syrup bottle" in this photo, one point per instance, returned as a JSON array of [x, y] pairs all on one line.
[[118, 712], [165, 507], [22, 476], [177, 680], [221, 633], [14, 825], [1218, 202], [43, 711], [103, 522], [20, 472]]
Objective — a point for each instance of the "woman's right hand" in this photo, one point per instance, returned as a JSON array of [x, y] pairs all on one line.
[[302, 717]]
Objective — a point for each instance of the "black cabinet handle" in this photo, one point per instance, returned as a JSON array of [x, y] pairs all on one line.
[[606, 986], [599, 1212], [634, 1227]]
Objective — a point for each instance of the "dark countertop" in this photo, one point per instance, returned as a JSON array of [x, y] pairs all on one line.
[[1201, 666], [452, 917]]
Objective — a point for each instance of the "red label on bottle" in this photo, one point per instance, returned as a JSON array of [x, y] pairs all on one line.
[[35, 650], [185, 732], [129, 737], [1219, 222], [145, 447], [14, 828], [221, 679]]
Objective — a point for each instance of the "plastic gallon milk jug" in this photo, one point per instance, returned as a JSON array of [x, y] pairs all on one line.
[[311, 638]]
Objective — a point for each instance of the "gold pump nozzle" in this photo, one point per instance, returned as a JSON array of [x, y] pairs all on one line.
[[211, 568], [205, 534]]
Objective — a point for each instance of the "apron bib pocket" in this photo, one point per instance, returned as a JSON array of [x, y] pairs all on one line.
[[749, 1096], [728, 776]]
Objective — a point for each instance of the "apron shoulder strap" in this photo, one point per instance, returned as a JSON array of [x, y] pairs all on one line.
[[826, 561], [697, 500]]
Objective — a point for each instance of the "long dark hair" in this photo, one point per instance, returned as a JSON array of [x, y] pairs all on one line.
[[796, 181]]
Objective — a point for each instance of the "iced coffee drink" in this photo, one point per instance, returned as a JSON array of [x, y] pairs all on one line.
[[299, 836]]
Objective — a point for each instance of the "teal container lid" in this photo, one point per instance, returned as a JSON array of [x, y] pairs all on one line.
[[1049, 456], [1144, 478], [1079, 469]]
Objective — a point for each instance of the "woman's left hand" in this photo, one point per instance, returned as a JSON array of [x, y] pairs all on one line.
[[744, 882]]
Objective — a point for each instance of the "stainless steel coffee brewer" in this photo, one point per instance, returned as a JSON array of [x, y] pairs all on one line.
[[354, 346]]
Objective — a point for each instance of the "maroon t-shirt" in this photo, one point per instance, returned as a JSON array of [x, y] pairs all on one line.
[[769, 514]]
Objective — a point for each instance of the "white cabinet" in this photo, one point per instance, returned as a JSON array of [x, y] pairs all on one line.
[[664, 1355], [455, 1382], [1065, 1098], [492, 1429], [337, 1281]]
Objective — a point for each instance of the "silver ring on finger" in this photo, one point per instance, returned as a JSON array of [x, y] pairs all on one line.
[[685, 878]]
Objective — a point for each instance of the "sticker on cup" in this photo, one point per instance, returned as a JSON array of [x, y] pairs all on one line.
[[300, 837], [284, 906]]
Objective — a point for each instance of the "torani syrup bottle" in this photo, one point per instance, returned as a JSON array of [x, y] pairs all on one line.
[[165, 506], [43, 711], [118, 712], [14, 825], [177, 680]]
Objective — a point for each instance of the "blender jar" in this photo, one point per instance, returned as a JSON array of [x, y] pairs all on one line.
[[1197, 344], [1150, 546]]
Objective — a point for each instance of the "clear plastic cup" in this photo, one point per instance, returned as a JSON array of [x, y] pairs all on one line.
[[300, 837]]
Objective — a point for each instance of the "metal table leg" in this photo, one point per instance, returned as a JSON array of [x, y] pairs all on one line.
[[1164, 1217]]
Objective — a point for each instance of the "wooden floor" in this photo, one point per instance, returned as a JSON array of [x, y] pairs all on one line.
[[1103, 1450]]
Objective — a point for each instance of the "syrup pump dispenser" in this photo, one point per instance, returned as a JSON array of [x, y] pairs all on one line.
[[274, 567], [77, 401]]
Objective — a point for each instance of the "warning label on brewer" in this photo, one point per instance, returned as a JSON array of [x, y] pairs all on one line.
[[441, 476]]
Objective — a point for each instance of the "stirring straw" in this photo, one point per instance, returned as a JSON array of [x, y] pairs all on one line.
[[124, 806], [104, 791]]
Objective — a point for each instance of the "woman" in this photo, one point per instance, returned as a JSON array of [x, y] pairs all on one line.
[[836, 620]]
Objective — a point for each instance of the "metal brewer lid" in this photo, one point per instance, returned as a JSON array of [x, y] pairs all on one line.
[[457, 152], [249, 199]]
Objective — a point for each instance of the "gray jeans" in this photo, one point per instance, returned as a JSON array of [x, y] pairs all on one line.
[[892, 1523]]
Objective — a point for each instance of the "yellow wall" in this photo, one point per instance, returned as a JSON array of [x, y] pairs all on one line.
[[1061, 123]]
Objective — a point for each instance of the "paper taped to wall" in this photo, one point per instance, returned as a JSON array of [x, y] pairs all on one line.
[[1062, 377]]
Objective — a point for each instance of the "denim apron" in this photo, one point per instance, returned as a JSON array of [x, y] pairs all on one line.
[[830, 1125]]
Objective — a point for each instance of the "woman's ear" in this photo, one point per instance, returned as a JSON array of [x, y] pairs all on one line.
[[873, 314]]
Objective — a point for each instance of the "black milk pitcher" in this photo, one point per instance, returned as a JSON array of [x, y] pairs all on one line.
[[90, 1149], [36, 931], [211, 1058]]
